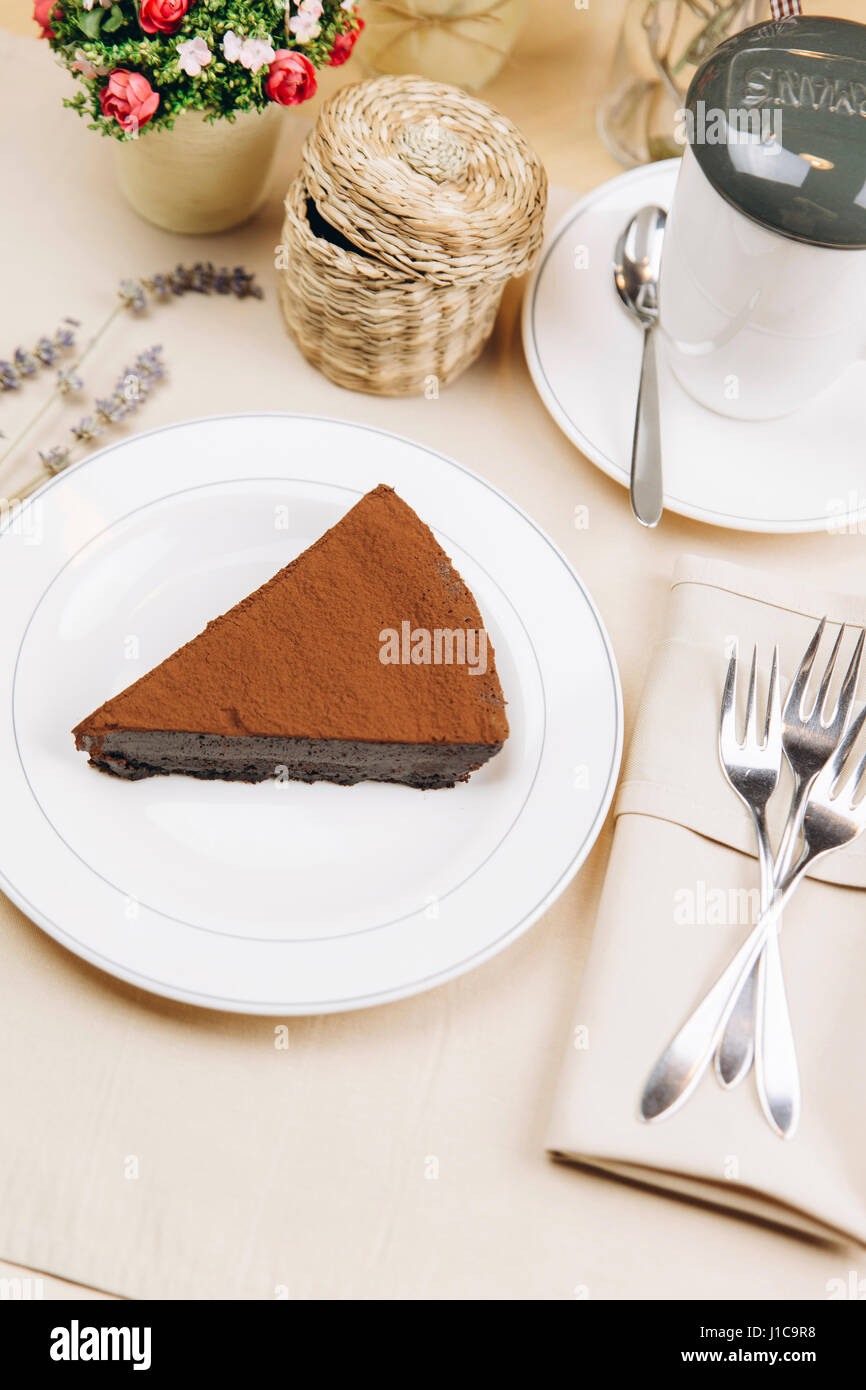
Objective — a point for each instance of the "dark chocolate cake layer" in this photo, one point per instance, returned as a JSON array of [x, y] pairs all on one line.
[[134, 755]]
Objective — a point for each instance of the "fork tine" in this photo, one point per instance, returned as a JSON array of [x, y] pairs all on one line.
[[824, 687], [854, 782], [794, 702], [840, 757], [845, 703], [727, 730], [750, 733], [773, 720]]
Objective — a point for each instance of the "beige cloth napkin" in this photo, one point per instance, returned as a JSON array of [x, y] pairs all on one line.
[[672, 913]]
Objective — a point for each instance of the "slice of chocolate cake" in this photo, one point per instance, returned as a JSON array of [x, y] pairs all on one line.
[[365, 659]]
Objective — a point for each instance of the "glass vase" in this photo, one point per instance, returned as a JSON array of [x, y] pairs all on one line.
[[661, 45], [462, 42]]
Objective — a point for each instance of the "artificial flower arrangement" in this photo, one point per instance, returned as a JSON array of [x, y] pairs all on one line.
[[143, 62]]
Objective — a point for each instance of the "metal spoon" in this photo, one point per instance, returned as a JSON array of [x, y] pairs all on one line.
[[636, 275]]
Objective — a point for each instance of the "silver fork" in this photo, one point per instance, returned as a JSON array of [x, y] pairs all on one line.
[[830, 820], [753, 768], [810, 740], [760, 1023]]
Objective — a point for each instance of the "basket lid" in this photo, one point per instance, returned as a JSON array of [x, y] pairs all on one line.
[[777, 122], [427, 179]]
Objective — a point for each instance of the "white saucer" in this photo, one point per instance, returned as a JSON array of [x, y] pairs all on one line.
[[282, 898], [806, 472]]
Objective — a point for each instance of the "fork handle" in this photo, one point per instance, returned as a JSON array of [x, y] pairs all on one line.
[[760, 1023], [736, 1051], [793, 826], [685, 1059], [683, 1062], [778, 1074], [777, 1070]]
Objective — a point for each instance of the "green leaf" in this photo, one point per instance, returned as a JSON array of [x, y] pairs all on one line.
[[114, 21], [89, 23]]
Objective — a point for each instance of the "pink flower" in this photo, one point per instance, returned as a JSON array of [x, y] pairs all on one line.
[[81, 63], [291, 78], [42, 12], [305, 26], [232, 45], [343, 45], [162, 16], [129, 98], [255, 54], [252, 54], [192, 56]]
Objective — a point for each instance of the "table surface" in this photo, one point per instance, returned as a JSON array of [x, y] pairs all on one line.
[[633, 1245]]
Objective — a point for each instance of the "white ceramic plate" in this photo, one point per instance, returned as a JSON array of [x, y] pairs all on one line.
[[282, 899], [806, 472]]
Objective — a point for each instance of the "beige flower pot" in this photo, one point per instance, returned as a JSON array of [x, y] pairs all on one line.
[[200, 176]]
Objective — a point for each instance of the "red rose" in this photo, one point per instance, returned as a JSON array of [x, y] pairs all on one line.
[[343, 45], [291, 78], [42, 12], [129, 98], [162, 16]]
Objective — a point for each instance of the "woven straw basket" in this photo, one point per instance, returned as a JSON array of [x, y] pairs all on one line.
[[414, 206]]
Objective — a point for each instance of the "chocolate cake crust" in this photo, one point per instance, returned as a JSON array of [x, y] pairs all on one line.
[[134, 755]]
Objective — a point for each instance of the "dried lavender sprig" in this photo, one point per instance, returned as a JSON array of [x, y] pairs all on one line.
[[201, 278], [69, 381], [131, 391], [26, 363], [204, 278]]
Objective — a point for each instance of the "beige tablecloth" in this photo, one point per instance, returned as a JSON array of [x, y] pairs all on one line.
[[305, 1172]]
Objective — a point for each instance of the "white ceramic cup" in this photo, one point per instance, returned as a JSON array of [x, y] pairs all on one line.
[[756, 323]]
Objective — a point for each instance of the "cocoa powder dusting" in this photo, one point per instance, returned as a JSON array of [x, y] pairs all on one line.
[[300, 657]]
